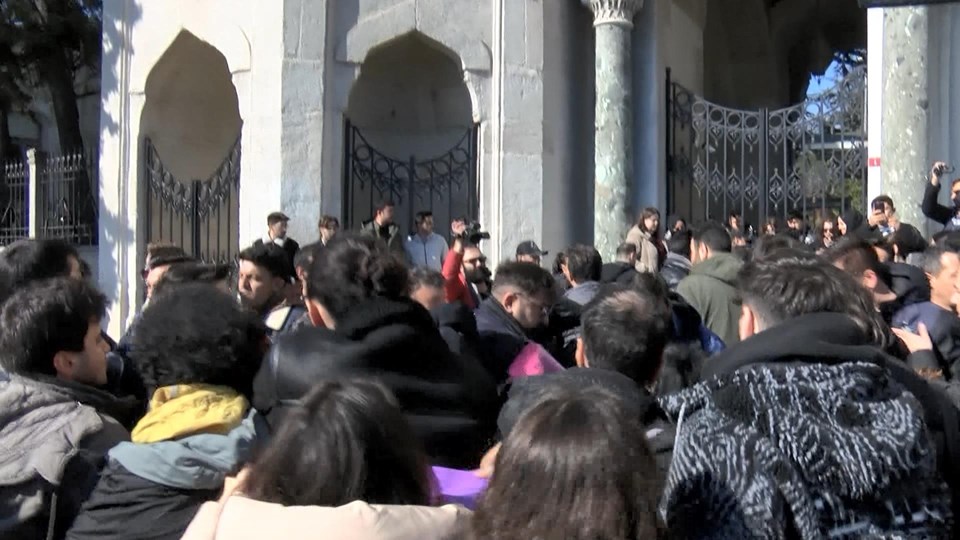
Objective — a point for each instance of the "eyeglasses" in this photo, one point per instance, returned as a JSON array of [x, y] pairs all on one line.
[[544, 307]]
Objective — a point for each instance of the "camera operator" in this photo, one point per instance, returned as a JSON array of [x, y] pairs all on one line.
[[948, 216], [465, 274]]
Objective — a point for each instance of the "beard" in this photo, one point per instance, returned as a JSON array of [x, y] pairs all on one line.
[[477, 275]]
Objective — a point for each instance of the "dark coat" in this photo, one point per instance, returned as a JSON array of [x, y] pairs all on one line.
[[152, 491], [449, 401], [819, 380], [944, 329], [931, 208], [55, 436], [501, 338], [564, 323], [618, 272], [675, 268], [526, 392]]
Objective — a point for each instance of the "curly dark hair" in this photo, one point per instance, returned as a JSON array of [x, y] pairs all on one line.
[[353, 268], [197, 334], [29, 260]]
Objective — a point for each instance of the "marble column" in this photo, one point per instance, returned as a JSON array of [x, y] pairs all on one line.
[[905, 158], [613, 137]]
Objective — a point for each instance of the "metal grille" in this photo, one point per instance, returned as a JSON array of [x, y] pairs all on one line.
[[67, 202], [445, 185], [200, 216], [809, 158], [14, 220]]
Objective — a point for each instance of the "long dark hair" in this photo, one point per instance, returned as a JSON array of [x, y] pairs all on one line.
[[346, 441], [649, 212], [576, 466]]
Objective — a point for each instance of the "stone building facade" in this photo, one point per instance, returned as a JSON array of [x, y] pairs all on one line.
[[561, 104]]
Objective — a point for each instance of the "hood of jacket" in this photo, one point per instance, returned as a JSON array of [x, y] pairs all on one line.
[[616, 271], [449, 400], [909, 283], [828, 429], [240, 517], [721, 266], [42, 424], [677, 261], [197, 462]]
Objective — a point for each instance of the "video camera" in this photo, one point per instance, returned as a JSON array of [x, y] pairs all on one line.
[[473, 232]]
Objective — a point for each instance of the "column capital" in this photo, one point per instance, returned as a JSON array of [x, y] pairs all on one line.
[[619, 12]]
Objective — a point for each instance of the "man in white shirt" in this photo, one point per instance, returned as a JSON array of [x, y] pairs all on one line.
[[425, 248]]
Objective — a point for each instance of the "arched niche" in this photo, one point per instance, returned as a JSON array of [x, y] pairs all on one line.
[[410, 98], [191, 112]]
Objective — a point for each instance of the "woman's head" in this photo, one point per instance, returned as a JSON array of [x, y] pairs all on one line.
[[649, 220], [344, 441], [576, 466], [351, 269]]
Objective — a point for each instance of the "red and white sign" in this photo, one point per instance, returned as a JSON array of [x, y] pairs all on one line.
[[873, 162]]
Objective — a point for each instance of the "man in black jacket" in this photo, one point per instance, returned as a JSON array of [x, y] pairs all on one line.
[[55, 426], [839, 439], [277, 235], [625, 332], [949, 217], [677, 265], [583, 268]]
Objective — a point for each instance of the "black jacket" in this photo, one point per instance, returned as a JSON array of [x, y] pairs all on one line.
[[675, 268], [449, 401], [501, 338], [618, 272], [943, 215], [526, 392], [152, 491], [820, 380]]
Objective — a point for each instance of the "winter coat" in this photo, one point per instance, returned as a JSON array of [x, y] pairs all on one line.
[[54, 436], [152, 491], [618, 272], [675, 268], [944, 328], [648, 258], [240, 518], [524, 394], [503, 342], [710, 289], [565, 319], [944, 215], [835, 435], [390, 235], [455, 286], [449, 400], [909, 283]]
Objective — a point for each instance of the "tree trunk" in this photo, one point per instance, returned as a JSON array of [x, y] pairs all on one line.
[[74, 209]]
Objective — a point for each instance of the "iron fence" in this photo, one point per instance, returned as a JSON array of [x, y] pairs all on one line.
[[14, 220], [68, 198]]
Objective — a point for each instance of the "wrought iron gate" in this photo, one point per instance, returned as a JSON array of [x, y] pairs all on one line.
[[445, 185], [200, 216], [809, 158]]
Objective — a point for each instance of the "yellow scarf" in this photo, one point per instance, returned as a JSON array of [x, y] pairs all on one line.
[[188, 409]]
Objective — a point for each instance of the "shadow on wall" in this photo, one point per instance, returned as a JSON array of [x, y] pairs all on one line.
[[117, 49]]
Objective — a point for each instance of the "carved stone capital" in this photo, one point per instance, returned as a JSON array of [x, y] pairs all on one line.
[[620, 12]]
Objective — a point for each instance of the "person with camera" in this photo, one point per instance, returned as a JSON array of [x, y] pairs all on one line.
[[465, 272], [948, 216]]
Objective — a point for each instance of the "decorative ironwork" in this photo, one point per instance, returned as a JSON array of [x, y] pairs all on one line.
[[445, 185], [201, 216], [67, 202], [809, 158], [14, 218]]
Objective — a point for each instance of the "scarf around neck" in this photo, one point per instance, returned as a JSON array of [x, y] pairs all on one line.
[[187, 409]]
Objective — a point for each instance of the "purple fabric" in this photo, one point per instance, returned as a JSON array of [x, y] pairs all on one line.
[[459, 487]]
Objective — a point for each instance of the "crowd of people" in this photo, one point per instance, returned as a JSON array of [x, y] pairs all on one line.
[[710, 382]]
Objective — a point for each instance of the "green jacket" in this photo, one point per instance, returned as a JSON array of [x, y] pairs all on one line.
[[391, 236], [710, 289]]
